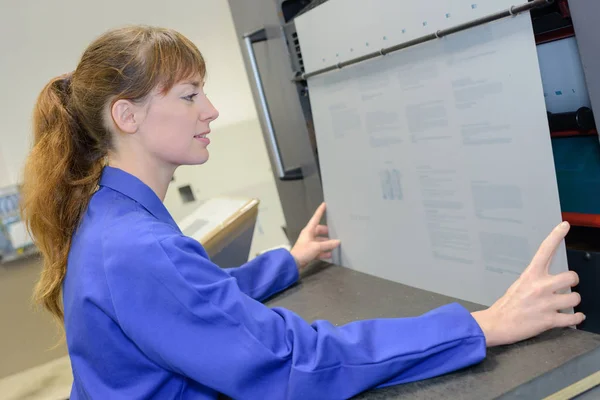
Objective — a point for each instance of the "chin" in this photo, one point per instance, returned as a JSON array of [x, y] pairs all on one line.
[[190, 158], [200, 159]]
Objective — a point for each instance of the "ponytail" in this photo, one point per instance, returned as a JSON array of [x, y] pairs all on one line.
[[61, 173]]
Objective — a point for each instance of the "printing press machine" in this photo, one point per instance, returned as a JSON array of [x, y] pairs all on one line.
[[566, 34]]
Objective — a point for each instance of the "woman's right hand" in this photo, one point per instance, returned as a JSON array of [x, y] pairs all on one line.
[[531, 305]]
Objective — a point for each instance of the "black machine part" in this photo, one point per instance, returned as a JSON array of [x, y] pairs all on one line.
[[581, 120], [583, 254]]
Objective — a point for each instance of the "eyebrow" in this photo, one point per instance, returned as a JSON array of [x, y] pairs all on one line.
[[195, 84]]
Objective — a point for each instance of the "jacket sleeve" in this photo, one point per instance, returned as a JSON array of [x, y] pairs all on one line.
[[267, 274], [190, 317]]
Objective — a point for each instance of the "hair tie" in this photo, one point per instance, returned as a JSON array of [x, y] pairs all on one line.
[[65, 83]]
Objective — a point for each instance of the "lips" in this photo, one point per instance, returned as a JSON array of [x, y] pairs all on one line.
[[202, 138]]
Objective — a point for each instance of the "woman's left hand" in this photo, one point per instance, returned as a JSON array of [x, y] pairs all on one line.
[[313, 242]]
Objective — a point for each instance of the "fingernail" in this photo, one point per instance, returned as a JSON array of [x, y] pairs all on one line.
[[584, 317], [564, 224]]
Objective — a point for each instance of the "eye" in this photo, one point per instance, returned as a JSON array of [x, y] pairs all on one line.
[[190, 97]]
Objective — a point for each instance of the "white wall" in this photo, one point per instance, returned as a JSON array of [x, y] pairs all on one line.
[[39, 41], [42, 39], [3, 171]]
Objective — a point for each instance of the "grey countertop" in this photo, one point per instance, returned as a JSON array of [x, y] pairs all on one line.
[[342, 295]]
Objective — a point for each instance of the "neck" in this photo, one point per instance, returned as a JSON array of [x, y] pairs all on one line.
[[157, 177]]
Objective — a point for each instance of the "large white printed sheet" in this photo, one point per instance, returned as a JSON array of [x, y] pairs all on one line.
[[436, 160]]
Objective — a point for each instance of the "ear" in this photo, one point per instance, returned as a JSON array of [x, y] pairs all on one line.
[[126, 116]]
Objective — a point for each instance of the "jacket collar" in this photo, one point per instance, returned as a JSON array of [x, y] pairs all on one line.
[[132, 187]]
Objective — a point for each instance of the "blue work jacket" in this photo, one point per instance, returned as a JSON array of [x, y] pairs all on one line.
[[149, 316]]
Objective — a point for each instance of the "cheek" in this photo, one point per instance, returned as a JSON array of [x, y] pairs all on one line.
[[170, 133]]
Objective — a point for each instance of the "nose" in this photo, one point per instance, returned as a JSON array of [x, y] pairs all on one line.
[[209, 112]]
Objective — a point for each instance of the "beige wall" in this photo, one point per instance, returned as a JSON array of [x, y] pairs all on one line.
[[27, 337]]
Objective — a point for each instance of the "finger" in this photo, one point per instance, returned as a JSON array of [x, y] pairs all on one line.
[[317, 216], [567, 228], [541, 259], [322, 230], [563, 281], [562, 320], [325, 256], [565, 301], [328, 245]]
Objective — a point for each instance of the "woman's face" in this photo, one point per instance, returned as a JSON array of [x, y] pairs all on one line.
[[176, 124]]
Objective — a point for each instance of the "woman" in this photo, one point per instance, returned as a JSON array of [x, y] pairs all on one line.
[[146, 313]]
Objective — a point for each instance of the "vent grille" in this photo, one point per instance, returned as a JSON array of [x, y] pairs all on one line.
[[297, 51]]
